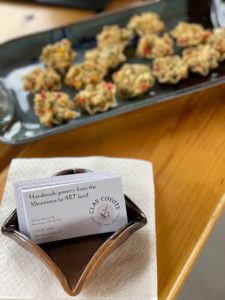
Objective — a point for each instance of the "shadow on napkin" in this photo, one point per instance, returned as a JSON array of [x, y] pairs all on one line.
[[122, 269]]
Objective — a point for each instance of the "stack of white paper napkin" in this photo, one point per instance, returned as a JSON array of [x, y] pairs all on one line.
[[129, 273]]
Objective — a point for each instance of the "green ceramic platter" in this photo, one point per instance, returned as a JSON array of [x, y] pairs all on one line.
[[18, 123]]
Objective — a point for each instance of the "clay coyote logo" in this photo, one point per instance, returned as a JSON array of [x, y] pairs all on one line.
[[104, 210]]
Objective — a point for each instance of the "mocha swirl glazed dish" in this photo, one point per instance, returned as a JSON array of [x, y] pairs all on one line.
[[84, 254]]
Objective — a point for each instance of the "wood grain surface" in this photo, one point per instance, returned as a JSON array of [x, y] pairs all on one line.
[[28, 18], [185, 141]]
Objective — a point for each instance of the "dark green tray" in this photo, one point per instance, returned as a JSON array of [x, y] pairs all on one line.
[[23, 53]]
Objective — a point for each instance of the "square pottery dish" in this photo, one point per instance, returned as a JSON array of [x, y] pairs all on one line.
[[73, 261], [18, 122]]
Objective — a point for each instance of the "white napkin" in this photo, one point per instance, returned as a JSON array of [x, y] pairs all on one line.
[[130, 273]]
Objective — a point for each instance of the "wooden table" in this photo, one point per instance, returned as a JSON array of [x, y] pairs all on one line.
[[183, 138]]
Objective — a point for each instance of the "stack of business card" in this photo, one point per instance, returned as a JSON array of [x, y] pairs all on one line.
[[63, 207]]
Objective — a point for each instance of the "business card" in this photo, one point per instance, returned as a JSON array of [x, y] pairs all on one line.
[[64, 207], [43, 182]]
